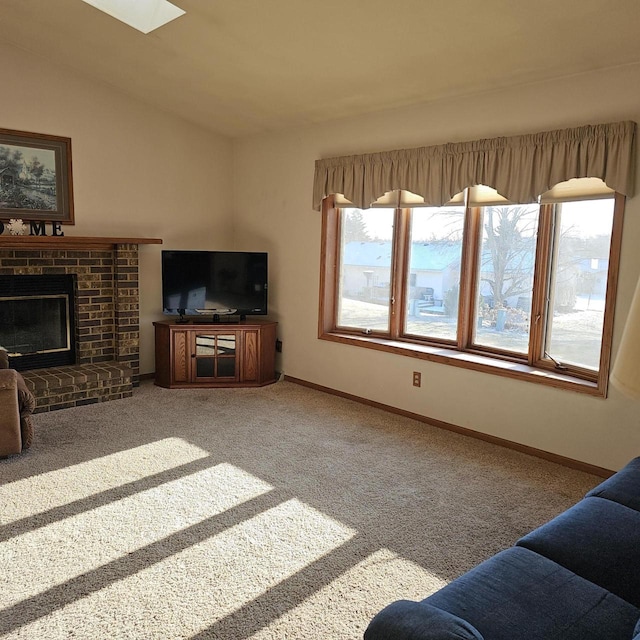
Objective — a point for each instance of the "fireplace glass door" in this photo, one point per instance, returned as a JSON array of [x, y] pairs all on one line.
[[36, 326]]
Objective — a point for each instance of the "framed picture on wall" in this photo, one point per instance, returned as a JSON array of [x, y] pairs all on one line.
[[35, 177]]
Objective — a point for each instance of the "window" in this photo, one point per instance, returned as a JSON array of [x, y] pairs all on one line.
[[435, 259], [365, 275], [524, 290]]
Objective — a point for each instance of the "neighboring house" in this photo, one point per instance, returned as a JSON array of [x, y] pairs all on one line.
[[593, 277], [435, 269]]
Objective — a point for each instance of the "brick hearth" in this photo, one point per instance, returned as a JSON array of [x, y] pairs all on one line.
[[107, 315]]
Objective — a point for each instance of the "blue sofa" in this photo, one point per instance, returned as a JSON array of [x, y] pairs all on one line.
[[575, 578]]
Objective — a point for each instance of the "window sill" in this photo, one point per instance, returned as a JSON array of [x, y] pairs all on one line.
[[473, 361]]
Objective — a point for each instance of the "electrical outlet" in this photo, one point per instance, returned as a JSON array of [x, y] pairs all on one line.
[[417, 378]]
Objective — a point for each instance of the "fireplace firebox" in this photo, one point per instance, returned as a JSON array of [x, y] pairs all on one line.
[[37, 325]]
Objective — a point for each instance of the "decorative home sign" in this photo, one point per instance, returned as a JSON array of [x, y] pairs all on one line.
[[35, 177], [16, 227]]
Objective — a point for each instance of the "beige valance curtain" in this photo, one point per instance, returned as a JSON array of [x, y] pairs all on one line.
[[520, 168]]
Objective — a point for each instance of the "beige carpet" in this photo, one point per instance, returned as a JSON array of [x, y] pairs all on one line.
[[271, 513]]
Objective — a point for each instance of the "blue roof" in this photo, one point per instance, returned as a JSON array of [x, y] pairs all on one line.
[[437, 256], [425, 256], [434, 256], [367, 254]]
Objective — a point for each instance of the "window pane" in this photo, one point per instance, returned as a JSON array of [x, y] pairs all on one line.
[[433, 281], [579, 282], [505, 282], [365, 268]]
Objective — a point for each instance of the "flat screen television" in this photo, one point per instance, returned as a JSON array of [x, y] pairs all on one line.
[[214, 283]]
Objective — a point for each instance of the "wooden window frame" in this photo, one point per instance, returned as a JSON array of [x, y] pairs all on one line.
[[462, 352]]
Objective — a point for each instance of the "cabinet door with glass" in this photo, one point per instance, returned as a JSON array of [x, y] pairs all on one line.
[[213, 357]]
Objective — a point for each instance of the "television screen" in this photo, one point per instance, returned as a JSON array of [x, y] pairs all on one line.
[[214, 282]]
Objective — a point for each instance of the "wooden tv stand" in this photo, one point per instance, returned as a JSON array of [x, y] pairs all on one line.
[[203, 355]]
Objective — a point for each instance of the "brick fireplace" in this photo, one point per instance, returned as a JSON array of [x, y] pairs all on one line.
[[105, 271]]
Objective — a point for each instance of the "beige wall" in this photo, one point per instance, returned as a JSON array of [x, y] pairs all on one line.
[[273, 177], [138, 172]]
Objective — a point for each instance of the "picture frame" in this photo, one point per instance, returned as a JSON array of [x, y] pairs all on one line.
[[35, 177]]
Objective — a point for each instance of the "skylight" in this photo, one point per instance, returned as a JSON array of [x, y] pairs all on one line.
[[143, 15]]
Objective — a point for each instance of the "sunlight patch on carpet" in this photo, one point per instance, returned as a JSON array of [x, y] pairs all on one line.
[[52, 555], [364, 589], [36, 494], [191, 590]]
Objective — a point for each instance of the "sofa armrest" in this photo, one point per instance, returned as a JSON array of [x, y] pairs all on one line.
[[406, 620], [26, 399], [10, 436]]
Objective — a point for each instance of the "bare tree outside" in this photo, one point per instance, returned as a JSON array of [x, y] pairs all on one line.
[[508, 251]]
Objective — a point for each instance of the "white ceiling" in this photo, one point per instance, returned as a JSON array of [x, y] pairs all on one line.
[[240, 67]]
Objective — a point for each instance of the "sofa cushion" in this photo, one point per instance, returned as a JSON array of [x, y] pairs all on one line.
[[637, 630], [520, 594], [597, 539], [622, 487], [406, 620]]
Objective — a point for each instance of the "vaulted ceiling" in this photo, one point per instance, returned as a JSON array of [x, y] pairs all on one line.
[[240, 67]]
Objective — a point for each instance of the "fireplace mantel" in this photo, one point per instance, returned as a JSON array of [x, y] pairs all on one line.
[[69, 242]]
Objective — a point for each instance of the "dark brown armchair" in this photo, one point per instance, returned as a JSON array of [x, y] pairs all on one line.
[[16, 406]]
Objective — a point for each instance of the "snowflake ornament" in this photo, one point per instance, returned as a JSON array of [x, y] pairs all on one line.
[[17, 227]]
